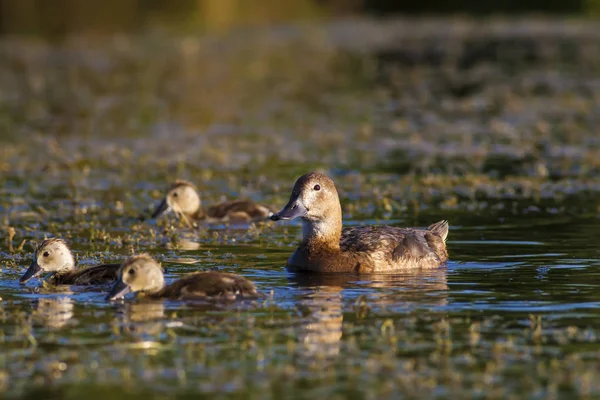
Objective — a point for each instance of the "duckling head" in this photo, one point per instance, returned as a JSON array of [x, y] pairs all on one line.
[[52, 255], [182, 198], [140, 273], [314, 199]]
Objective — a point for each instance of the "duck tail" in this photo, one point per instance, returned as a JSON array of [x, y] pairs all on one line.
[[440, 228]]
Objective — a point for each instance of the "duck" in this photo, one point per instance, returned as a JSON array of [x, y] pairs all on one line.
[[326, 247], [54, 256], [141, 273], [183, 199]]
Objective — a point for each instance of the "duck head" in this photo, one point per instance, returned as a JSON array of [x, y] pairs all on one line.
[[52, 255], [314, 198], [140, 273], [182, 198]]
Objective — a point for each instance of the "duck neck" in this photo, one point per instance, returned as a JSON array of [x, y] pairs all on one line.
[[191, 218], [200, 213], [68, 266], [323, 234], [153, 291], [56, 276], [156, 283]]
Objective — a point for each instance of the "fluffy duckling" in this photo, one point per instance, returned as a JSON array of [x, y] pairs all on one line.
[[54, 256], [183, 199], [141, 273], [326, 247]]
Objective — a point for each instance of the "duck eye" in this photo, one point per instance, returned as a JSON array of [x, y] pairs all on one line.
[[46, 254], [175, 194], [317, 187], [131, 272]]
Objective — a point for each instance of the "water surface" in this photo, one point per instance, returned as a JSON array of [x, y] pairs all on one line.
[[515, 310]]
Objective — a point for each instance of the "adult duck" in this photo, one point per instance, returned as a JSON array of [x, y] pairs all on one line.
[[326, 247]]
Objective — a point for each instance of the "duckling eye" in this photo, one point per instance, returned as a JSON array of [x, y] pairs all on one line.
[[317, 187], [175, 194], [46, 254], [131, 272]]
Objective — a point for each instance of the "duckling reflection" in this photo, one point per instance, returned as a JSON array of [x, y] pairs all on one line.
[[320, 332], [145, 311], [53, 313], [183, 243], [144, 319]]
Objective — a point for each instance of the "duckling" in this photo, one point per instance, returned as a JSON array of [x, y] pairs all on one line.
[[54, 256], [325, 247], [183, 199], [141, 273]]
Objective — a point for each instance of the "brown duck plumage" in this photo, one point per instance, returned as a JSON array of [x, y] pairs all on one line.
[[54, 256], [326, 247], [96, 275], [208, 284], [142, 273]]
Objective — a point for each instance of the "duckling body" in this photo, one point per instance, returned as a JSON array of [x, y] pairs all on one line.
[[143, 274], [54, 256], [183, 199], [208, 284], [96, 275], [326, 247]]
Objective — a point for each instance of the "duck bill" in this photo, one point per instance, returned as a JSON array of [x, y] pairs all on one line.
[[33, 271], [161, 209], [293, 209], [118, 291]]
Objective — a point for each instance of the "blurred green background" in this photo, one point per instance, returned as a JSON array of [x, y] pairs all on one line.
[[59, 17]]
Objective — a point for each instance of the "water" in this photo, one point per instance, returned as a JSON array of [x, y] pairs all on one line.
[[503, 146], [513, 312]]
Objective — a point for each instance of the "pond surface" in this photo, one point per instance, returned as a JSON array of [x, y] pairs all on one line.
[[488, 124], [513, 312]]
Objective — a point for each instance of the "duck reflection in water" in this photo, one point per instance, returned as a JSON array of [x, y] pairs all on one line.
[[144, 320], [53, 313], [321, 328], [320, 331]]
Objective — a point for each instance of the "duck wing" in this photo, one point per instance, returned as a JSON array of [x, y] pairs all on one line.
[[210, 284], [95, 275], [398, 243], [245, 210]]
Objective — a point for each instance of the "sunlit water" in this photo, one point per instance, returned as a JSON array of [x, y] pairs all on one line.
[[514, 311]]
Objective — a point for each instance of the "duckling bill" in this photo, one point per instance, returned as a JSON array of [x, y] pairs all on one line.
[[141, 273], [53, 256], [183, 199], [326, 247]]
